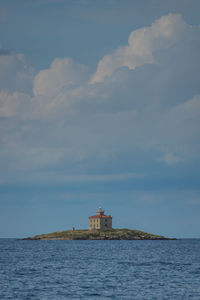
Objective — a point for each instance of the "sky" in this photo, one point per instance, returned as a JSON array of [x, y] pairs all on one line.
[[100, 106]]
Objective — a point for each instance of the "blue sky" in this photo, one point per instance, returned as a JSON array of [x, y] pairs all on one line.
[[99, 105]]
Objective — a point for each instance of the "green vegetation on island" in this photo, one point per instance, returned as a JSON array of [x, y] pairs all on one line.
[[98, 234]]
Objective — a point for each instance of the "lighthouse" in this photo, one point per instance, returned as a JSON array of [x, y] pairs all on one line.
[[100, 221]]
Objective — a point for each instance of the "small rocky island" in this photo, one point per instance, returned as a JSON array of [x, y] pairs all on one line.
[[98, 234], [100, 228]]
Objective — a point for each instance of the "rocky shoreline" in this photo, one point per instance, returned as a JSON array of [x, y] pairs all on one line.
[[112, 234]]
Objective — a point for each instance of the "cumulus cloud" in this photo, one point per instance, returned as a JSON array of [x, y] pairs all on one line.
[[142, 45], [63, 74]]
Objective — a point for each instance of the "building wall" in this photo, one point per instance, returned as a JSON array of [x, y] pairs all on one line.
[[106, 223], [100, 223]]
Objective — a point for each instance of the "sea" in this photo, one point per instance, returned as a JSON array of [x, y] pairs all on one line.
[[140, 269]]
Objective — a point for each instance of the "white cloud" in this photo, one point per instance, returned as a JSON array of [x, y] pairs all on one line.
[[142, 45], [171, 158], [187, 111], [12, 104], [63, 74]]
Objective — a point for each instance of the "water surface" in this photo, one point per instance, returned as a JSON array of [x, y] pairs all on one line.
[[99, 269]]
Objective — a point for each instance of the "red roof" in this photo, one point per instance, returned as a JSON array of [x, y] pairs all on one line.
[[99, 216]]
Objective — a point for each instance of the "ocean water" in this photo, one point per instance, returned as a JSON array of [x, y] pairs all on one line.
[[57, 270]]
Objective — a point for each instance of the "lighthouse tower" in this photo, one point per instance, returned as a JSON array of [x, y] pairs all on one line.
[[100, 211]]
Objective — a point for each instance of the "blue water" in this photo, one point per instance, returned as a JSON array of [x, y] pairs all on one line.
[[57, 270]]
